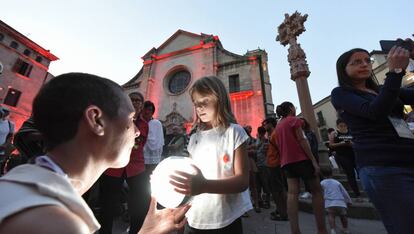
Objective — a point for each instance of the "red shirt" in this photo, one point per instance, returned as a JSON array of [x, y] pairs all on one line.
[[136, 161], [289, 147]]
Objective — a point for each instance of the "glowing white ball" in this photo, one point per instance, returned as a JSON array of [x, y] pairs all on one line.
[[161, 188]]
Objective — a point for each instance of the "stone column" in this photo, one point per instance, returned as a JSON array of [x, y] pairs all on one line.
[[288, 31]]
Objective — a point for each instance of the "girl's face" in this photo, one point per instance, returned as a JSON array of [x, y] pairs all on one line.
[[205, 107], [359, 67]]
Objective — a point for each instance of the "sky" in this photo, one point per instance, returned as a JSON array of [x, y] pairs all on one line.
[[109, 37]]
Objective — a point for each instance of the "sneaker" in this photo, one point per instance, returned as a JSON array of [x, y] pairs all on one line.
[[278, 217], [305, 195], [266, 205]]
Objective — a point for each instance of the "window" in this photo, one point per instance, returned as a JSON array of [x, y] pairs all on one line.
[[1, 36], [22, 68], [12, 97], [38, 59], [234, 83], [27, 52], [14, 45], [321, 119], [179, 81]]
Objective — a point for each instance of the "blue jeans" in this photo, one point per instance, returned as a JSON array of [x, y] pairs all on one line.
[[391, 189]]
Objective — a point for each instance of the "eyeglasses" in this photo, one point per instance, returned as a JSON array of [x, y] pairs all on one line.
[[359, 62]]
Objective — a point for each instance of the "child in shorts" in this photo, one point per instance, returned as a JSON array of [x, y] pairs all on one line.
[[336, 201]]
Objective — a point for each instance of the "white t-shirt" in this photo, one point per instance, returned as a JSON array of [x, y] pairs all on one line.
[[155, 142], [334, 193], [5, 129], [213, 152]]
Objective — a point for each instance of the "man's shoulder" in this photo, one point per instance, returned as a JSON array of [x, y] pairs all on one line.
[[44, 219]]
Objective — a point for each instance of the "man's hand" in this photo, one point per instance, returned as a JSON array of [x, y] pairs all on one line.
[[164, 221], [189, 184]]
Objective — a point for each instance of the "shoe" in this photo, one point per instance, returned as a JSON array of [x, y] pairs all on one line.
[[278, 217], [305, 195], [275, 213]]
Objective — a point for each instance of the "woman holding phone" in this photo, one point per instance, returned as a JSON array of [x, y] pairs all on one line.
[[384, 149]]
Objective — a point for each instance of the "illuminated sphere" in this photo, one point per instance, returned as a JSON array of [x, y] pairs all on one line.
[[161, 188]]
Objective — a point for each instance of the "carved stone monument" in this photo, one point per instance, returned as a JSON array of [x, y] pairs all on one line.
[[288, 32]]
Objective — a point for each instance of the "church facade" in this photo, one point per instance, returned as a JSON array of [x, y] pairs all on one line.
[[169, 71]]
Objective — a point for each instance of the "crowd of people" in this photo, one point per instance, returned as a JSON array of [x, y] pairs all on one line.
[[102, 134]]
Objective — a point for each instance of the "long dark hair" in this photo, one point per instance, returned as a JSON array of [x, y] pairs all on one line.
[[283, 109], [344, 80]]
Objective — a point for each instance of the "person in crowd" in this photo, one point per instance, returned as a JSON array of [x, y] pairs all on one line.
[[262, 184], [312, 139], [176, 143], [219, 149], [85, 134], [298, 162], [155, 140], [382, 143], [341, 143], [6, 133], [336, 201], [313, 143], [251, 153], [29, 141], [274, 173], [133, 173]]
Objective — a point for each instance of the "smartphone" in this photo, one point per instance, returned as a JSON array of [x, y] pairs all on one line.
[[386, 45]]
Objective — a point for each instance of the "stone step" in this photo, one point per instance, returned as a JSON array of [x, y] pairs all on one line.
[[358, 210]]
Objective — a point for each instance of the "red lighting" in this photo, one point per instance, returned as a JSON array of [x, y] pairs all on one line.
[[147, 62], [216, 38], [241, 95], [185, 50]]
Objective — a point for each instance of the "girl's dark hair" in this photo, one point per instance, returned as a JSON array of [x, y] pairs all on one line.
[[261, 130], [330, 130], [148, 104], [343, 79], [283, 109], [339, 121]]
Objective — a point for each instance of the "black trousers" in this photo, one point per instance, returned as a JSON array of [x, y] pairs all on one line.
[[235, 227], [138, 201], [347, 162]]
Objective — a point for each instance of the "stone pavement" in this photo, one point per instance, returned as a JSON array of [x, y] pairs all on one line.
[[260, 223]]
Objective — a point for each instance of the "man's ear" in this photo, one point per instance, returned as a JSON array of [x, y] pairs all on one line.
[[94, 120]]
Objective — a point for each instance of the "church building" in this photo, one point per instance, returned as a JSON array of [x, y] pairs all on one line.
[[169, 71]]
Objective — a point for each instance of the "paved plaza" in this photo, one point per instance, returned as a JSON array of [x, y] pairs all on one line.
[[260, 223]]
